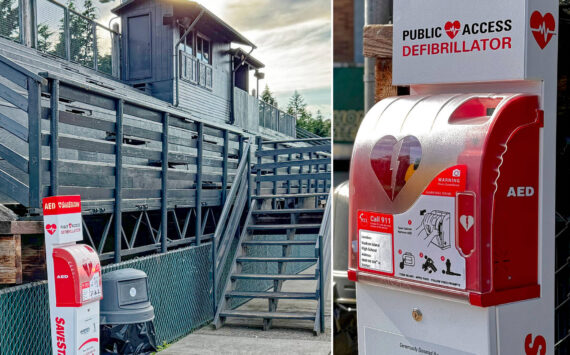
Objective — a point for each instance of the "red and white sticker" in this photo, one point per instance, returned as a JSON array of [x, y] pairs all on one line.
[[420, 243], [376, 242]]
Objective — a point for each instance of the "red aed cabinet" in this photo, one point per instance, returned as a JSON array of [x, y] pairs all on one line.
[[77, 274], [444, 196]]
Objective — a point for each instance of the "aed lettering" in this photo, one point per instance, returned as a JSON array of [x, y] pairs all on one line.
[[60, 331], [520, 191], [468, 29]]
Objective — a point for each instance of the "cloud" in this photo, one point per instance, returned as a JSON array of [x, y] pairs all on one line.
[[268, 14], [297, 57]]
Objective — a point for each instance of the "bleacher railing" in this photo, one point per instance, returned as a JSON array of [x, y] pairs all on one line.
[[63, 32]]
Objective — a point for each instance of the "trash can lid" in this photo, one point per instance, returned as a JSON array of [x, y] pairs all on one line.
[[124, 274]]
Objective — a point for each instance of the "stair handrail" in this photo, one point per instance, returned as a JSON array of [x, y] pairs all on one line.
[[323, 246], [234, 207]]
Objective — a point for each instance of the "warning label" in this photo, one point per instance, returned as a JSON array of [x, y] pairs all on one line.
[[419, 244]]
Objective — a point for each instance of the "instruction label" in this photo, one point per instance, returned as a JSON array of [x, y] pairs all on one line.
[[419, 244], [396, 344], [376, 242]]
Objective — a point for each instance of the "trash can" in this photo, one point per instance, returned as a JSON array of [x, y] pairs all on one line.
[[126, 314]]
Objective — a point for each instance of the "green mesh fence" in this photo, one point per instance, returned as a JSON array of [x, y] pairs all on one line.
[[179, 287]]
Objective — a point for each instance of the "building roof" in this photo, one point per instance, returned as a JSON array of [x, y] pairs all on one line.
[[249, 60], [209, 21]]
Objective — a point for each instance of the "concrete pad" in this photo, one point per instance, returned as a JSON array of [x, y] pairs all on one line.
[[245, 336]]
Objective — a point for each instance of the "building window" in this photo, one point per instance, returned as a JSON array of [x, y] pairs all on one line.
[[196, 60], [187, 45], [203, 50]]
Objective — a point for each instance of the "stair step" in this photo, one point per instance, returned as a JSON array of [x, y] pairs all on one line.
[[283, 226], [274, 276], [280, 295], [302, 195], [278, 242], [290, 259], [291, 211], [267, 315]]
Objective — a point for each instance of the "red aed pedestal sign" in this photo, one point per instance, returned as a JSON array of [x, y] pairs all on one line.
[[74, 279]]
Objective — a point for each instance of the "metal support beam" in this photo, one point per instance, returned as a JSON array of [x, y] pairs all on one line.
[[259, 149], [94, 31], [248, 179], [66, 33], [199, 163], [225, 167], [34, 142], [164, 206], [275, 160], [118, 178], [54, 132]]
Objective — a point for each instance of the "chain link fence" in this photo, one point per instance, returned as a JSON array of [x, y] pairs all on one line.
[[562, 305], [179, 284]]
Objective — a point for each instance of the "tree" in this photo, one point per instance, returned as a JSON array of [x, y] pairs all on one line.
[[81, 34], [317, 125], [267, 96], [43, 38], [9, 18], [297, 107]]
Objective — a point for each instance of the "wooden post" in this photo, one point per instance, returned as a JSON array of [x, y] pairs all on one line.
[[164, 206], [54, 131], [199, 156], [259, 160], [66, 33], [378, 44], [275, 160], [225, 166], [35, 143], [118, 178]]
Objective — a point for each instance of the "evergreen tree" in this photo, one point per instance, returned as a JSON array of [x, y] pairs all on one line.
[[9, 19], [267, 96], [297, 107], [44, 35], [81, 34]]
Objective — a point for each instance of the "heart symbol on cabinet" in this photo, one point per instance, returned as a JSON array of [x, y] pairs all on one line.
[[395, 161], [466, 222]]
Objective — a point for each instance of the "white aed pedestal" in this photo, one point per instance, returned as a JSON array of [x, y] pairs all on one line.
[[74, 279], [449, 49]]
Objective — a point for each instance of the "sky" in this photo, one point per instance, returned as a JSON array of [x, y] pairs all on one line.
[[293, 39]]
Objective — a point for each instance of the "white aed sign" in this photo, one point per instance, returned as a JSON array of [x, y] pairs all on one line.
[[442, 41]]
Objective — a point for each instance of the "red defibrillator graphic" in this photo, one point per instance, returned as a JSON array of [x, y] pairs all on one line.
[[444, 196]]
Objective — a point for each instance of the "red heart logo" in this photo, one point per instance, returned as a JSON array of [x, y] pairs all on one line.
[[394, 162], [543, 28], [51, 228], [452, 28]]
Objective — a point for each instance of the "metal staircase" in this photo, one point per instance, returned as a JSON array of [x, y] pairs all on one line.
[[286, 237]]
